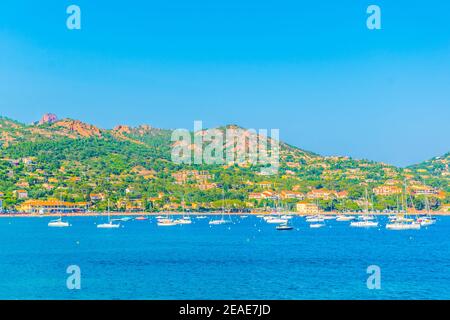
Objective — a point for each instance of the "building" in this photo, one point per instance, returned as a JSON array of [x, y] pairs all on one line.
[[292, 195], [255, 196], [22, 184], [51, 206], [97, 196], [307, 208], [387, 190], [182, 177], [265, 184], [321, 194], [206, 186], [263, 195], [131, 205], [421, 190], [341, 194], [21, 194]]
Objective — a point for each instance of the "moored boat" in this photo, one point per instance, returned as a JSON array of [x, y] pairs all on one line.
[[284, 227], [364, 224], [58, 223]]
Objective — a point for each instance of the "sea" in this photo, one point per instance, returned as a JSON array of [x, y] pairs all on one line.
[[248, 259]]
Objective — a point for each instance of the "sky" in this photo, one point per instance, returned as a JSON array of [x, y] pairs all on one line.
[[311, 69]]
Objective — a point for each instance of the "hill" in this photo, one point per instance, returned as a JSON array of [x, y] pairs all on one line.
[[75, 161]]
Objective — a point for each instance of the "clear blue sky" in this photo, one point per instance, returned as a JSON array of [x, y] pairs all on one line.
[[310, 68]]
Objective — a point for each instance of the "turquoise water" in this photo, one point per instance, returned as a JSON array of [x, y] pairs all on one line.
[[246, 260]]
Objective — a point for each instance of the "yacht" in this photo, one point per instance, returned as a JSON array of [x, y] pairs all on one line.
[[222, 220], [219, 221], [110, 224], [403, 226], [314, 219], [345, 218], [366, 217], [276, 220], [284, 227], [185, 219], [58, 223], [364, 224], [166, 222], [365, 220], [402, 222], [427, 220], [316, 225]]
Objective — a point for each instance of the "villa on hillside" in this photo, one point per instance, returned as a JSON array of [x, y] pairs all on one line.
[[97, 196], [21, 194], [423, 190], [387, 190], [269, 195], [292, 195], [183, 177], [325, 194]]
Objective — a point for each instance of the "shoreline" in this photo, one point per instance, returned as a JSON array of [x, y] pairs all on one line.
[[154, 214]]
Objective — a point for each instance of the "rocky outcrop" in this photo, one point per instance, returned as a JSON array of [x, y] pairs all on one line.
[[48, 118], [122, 129], [79, 128]]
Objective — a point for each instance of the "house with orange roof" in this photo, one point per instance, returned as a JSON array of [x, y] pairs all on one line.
[[423, 190], [387, 190], [320, 194], [51, 206], [21, 194], [285, 194]]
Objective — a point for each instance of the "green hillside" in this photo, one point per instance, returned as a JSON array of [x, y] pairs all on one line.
[[72, 161]]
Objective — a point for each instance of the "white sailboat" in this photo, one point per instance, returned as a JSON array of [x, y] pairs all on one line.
[[316, 225], [58, 223], [365, 220], [427, 220], [276, 217], [222, 220], [184, 219], [166, 222], [110, 224], [343, 217], [403, 222]]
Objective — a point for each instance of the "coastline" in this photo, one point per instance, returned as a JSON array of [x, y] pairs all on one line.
[[153, 214]]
